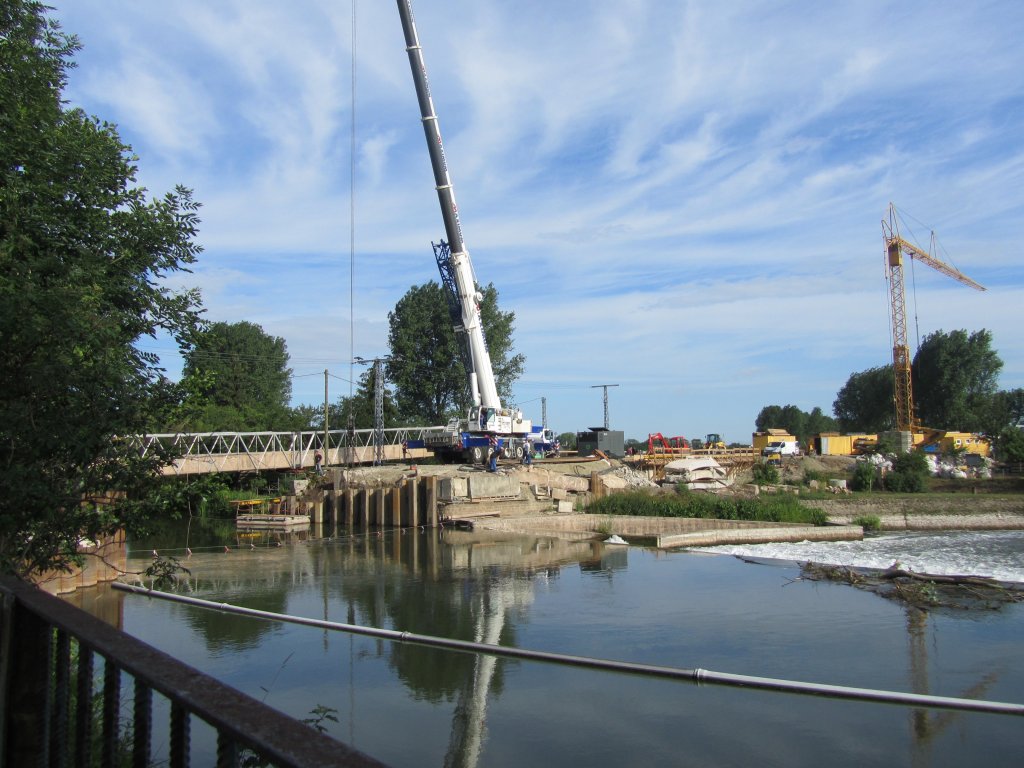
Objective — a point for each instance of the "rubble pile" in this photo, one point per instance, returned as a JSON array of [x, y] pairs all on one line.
[[962, 467], [698, 473], [632, 477]]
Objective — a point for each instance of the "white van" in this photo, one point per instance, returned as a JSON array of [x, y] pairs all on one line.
[[782, 447]]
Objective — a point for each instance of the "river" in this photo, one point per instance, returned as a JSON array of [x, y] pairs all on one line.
[[413, 706]]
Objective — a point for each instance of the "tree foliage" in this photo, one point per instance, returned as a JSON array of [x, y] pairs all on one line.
[[83, 254], [955, 376], [360, 406], [954, 379], [798, 423], [865, 402], [240, 378], [426, 366]]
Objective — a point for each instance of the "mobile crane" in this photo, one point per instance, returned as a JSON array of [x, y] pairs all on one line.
[[463, 438]]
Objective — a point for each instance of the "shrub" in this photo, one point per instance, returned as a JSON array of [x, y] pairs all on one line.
[[909, 473], [813, 474], [766, 474], [865, 476], [868, 522], [776, 508]]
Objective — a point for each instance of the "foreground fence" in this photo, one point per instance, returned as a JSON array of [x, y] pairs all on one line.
[[61, 677]]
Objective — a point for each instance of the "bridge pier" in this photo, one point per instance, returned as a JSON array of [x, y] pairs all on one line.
[[412, 502]]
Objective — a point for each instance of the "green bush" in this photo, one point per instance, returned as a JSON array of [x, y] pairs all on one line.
[[868, 522], [813, 474], [766, 474], [909, 473], [865, 476]]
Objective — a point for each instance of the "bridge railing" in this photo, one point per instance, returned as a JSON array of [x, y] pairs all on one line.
[[263, 450], [49, 683]]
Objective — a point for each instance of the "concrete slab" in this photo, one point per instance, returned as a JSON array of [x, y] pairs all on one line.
[[493, 486]]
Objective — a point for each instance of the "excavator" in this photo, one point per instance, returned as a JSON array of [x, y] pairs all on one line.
[[659, 445]]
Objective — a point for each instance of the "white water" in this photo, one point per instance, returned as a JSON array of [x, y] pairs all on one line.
[[996, 554]]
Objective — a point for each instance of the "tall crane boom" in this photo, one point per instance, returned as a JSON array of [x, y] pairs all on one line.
[[895, 248], [482, 386]]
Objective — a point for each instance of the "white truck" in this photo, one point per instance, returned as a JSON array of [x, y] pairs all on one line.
[[782, 448]]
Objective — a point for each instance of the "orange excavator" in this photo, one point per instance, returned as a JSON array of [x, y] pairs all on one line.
[[659, 445]]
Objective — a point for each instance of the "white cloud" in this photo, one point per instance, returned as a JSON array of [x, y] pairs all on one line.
[[684, 197]]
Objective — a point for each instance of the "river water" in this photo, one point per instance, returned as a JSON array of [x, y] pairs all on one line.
[[413, 706]]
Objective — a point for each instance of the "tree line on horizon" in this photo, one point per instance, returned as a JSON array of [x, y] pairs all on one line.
[[954, 378]]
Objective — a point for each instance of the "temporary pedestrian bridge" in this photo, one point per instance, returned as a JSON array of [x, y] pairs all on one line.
[[208, 452]]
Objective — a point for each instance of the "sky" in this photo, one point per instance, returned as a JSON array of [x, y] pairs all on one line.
[[683, 199]]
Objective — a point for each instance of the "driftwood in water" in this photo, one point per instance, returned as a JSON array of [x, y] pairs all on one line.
[[921, 590]]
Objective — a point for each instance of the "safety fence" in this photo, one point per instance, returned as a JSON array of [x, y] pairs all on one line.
[[62, 674]]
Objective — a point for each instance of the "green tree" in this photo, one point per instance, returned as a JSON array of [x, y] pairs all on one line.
[[1010, 444], [798, 423], [865, 402], [360, 406], [955, 376], [426, 364], [1004, 409], [245, 379], [83, 257]]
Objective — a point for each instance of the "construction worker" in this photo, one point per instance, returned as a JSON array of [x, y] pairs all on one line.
[[493, 451]]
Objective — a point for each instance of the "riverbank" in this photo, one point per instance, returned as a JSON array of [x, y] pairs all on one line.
[[927, 512]]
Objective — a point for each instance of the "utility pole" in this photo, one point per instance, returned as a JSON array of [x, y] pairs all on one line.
[[378, 406], [605, 387], [326, 419], [378, 412]]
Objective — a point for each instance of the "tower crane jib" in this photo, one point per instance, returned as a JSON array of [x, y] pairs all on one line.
[[895, 248]]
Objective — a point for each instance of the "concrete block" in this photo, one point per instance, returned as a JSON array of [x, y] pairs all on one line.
[[565, 506], [453, 489], [559, 494], [487, 486]]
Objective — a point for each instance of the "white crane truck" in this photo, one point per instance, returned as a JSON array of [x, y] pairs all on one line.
[[463, 439]]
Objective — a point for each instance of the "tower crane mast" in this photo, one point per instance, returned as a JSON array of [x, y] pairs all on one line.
[[895, 248]]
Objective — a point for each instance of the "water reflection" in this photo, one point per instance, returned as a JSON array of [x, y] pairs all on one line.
[[413, 705]]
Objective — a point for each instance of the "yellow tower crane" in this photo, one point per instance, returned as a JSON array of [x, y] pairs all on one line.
[[895, 247]]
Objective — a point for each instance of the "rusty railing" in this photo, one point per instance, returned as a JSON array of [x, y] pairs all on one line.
[[61, 677]]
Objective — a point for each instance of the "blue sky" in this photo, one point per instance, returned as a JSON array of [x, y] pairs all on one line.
[[681, 198]]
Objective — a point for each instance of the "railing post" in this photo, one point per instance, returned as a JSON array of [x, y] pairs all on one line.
[[111, 711], [83, 708], [27, 688], [61, 700], [181, 728], [142, 724]]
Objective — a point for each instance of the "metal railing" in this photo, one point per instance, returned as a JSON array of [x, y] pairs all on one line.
[[57, 709], [272, 449]]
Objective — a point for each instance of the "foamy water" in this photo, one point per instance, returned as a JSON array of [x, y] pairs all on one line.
[[996, 554]]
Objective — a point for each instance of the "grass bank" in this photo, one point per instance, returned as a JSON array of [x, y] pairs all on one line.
[[781, 508]]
